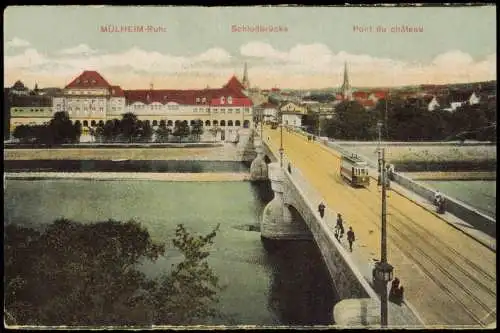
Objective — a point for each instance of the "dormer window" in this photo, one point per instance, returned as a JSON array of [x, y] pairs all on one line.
[[86, 81], [197, 100], [222, 100], [93, 81], [204, 100], [78, 81], [230, 100]]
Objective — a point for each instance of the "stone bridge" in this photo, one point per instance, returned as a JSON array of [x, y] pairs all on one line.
[[291, 215]]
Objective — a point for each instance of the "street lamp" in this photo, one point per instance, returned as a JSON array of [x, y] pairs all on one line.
[[383, 270]]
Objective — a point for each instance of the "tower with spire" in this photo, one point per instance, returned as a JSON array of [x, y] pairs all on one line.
[[346, 86], [245, 81]]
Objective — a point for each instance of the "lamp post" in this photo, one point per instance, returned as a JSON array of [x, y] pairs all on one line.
[[261, 123], [383, 271], [281, 139]]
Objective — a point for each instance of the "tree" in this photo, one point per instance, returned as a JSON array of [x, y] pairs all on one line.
[[197, 129], [181, 130], [86, 274], [61, 129], [129, 127], [352, 122], [162, 132]]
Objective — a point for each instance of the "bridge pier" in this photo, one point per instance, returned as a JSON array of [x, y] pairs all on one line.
[[258, 168], [279, 220]]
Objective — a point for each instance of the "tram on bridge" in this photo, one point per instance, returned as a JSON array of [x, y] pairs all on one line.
[[354, 170]]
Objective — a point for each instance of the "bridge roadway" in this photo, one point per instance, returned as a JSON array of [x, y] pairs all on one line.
[[449, 278]]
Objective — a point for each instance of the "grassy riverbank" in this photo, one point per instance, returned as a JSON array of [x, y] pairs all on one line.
[[227, 152]]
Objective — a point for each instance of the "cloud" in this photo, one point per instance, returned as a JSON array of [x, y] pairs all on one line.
[[17, 42], [83, 49], [303, 65]]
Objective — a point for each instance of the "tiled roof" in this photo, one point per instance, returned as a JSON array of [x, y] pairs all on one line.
[[188, 97], [88, 79], [379, 94], [367, 103], [360, 95], [27, 101], [116, 91], [234, 84]]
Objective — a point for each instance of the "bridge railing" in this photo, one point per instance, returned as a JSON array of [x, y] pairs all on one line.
[[312, 198]]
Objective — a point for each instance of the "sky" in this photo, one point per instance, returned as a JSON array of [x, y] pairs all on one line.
[[196, 47]]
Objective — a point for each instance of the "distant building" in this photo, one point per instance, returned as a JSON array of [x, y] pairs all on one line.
[[90, 100], [19, 89], [29, 110], [346, 90], [269, 112]]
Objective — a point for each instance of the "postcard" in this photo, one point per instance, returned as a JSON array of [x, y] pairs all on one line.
[[250, 167]]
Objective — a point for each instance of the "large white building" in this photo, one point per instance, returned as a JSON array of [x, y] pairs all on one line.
[[90, 100]]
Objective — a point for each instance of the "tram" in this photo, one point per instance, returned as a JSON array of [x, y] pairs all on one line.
[[355, 170]]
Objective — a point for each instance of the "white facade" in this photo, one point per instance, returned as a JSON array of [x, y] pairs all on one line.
[[433, 104], [292, 119], [474, 99]]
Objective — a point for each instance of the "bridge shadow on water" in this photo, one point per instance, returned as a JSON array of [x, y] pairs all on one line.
[[301, 291]]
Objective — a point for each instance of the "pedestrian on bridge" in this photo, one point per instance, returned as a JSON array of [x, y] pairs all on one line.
[[350, 238], [339, 227], [289, 168], [321, 209]]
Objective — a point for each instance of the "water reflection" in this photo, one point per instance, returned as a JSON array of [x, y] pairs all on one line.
[[301, 290], [124, 166]]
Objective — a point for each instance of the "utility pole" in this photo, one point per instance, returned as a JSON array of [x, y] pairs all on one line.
[[383, 271], [281, 140]]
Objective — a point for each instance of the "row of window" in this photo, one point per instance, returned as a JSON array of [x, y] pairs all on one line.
[[222, 123], [33, 110]]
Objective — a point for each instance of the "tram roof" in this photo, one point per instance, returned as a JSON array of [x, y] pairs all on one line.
[[353, 158]]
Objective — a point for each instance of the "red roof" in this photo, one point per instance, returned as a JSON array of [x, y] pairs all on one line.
[[339, 96], [188, 97], [275, 89], [234, 84], [360, 95], [89, 79], [379, 94], [116, 91]]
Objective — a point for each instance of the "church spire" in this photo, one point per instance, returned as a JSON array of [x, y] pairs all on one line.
[[346, 87], [246, 82]]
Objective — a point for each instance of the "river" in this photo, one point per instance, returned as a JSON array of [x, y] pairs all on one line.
[[288, 287], [480, 194]]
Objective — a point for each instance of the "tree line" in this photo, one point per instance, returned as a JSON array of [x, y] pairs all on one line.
[[88, 274], [128, 129], [408, 121]]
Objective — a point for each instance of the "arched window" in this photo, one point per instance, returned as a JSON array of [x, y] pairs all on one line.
[[246, 123], [229, 100], [237, 123], [155, 122], [223, 123], [169, 123], [163, 123], [192, 122], [85, 123], [215, 123], [207, 123], [185, 122], [147, 122], [78, 123], [230, 123], [92, 123], [176, 122], [222, 100], [101, 122]]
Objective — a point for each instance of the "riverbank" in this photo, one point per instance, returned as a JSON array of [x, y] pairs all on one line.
[[163, 176], [468, 175], [225, 152]]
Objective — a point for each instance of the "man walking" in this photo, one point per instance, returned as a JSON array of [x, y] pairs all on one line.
[[339, 227], [321, 209], [350, 238]]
